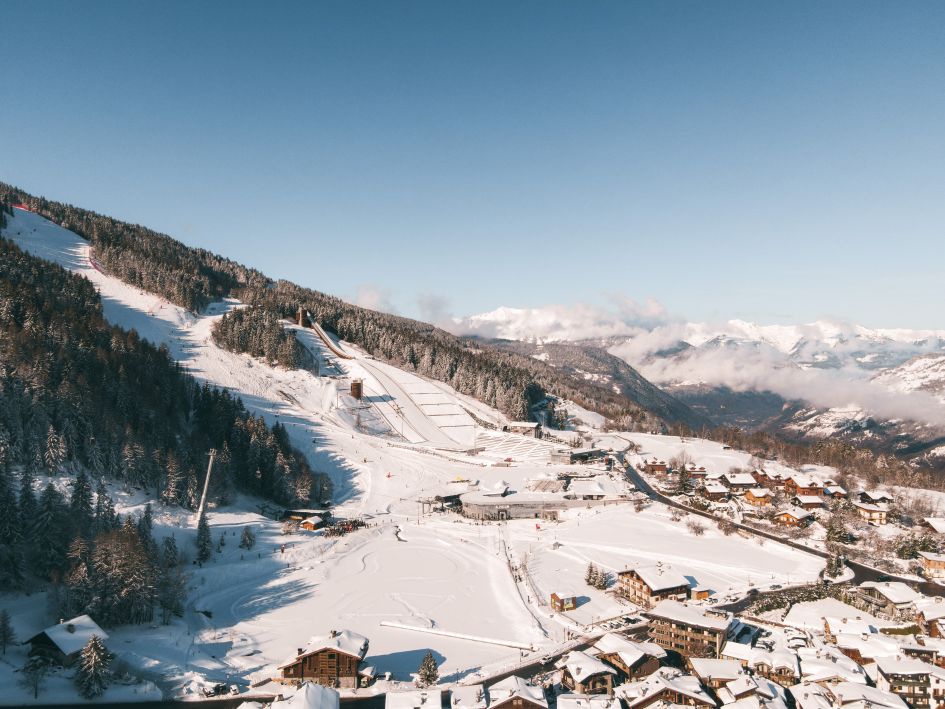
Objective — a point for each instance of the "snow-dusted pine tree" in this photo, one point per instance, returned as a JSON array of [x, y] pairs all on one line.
[[428, 674], [204, 541], [7, 636], [93, 674]]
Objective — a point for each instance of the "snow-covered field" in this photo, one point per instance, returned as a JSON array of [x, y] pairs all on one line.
[[436, 571]]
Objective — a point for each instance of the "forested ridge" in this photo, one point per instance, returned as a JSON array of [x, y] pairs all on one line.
[[192, 278], [82, 396]]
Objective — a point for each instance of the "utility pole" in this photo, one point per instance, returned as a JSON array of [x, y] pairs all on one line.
[[206, 484]]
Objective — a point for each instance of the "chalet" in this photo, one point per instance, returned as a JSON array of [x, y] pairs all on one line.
[[696, 474], [874, 514], [333, 660], [430, 698], [876, 497], [892, 599], [666, 687], [687, 631], [759, 496], [835, 492], [929, 611], [862, 696], [655, 467], [587, 489], [573, 456], [571, 700], [748, 691], [62, 643], [936, 524], [311, 523], [809, 502], [585, 674], [715, 673], [525, 428], [647, 585], [515, 693], [633, 660], [826, 665], [797, 484], [562, 602], [793, 517], [716, 492], [933, 565], [917, 683], [738, 482], [779, 665]]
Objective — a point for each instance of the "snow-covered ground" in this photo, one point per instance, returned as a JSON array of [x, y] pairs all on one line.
[[441, 571]]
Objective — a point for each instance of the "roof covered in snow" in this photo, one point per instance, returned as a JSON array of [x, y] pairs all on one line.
[[345, 641], [660, 577], [895, 591], [312, 696], [665, 678], [414, 699], [690, 615], [582, 666], [514, 686], [587, 701], [72, 635]]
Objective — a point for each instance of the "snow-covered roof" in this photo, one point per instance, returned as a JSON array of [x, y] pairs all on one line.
[[690, 615], [414, 699], [760, 492], [835, 489], [739, 479], [585, 486], [314, 519], [514, 686], [811, 696], [931, 607], [870, 507], [665, 678], [345, 641], [828, 663], [311, 696], [581, 666], [708, 668], [853, 693], [72, 635], [795, 512], [906, 666], [804, 480], [936, 523], [629, 651], [876, 495], [715, 488], [895, 591], [587, 701], [810, 500], [763, 692], [468, 696], [660, 577], [522, 424], [932, 556]]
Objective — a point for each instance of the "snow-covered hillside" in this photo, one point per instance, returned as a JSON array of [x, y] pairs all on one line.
[[408, 440]]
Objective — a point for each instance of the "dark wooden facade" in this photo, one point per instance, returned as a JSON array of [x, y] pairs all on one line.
[[327, 667]]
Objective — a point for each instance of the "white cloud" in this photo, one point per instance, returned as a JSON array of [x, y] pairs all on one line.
[[375, 298]]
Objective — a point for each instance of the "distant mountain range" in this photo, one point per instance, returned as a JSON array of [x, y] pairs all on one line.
[[884, 388]]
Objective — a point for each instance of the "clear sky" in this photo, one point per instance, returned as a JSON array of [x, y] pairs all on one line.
[[775, 161]]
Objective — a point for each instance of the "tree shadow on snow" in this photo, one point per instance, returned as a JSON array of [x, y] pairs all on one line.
[[402, 664]]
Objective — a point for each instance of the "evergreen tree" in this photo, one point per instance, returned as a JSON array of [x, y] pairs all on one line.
[[80, 504], [247, 539], [48, 533], [7, 636], [93, 673], [429, 673], [33, 675], [204, 541], [9, 512]]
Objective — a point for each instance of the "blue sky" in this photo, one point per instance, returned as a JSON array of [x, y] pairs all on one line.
[[770, 161]]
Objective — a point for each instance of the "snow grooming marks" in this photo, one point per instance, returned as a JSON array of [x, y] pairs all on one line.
[[462, 636]]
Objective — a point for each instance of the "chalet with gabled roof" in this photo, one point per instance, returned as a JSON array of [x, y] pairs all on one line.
[[333, 661], [798, 484], [62, 643], [652, 583]]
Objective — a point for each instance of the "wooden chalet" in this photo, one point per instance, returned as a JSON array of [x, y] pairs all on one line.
[[332, 661], [666, 687], [759, 496], [62, 644], [686, 630], [738, 482], [562, 602], [585, 674], [809, 502], [650, 584], [714, 491], [802, 485], [876, 497], [515, 693], [872, 513], [655, 467], [793, 517], [633, 660]]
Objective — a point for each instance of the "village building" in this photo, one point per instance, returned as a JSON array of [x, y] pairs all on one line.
[[759, 496], [655, 467], [876, 497], [793, 517], [647, 585], [890, 599], [311, 523], [62, 643], [747, 692], [809, 502], [933, 565], [779, 665], [573, 456], [874, 514], [928, 612], [570, 700], [687, 631], [715, 673], [633, 660], [798, 484], [515, 693], [564, 601], [333, 661], [525, 428], [666, 687], [852, 695], [585, 674], [696, 474], [835, 492], [935, 524], [430, 698], [311, 696], [596, 488], [828, 665], [738, 482], [911, 680], [714, 491]]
